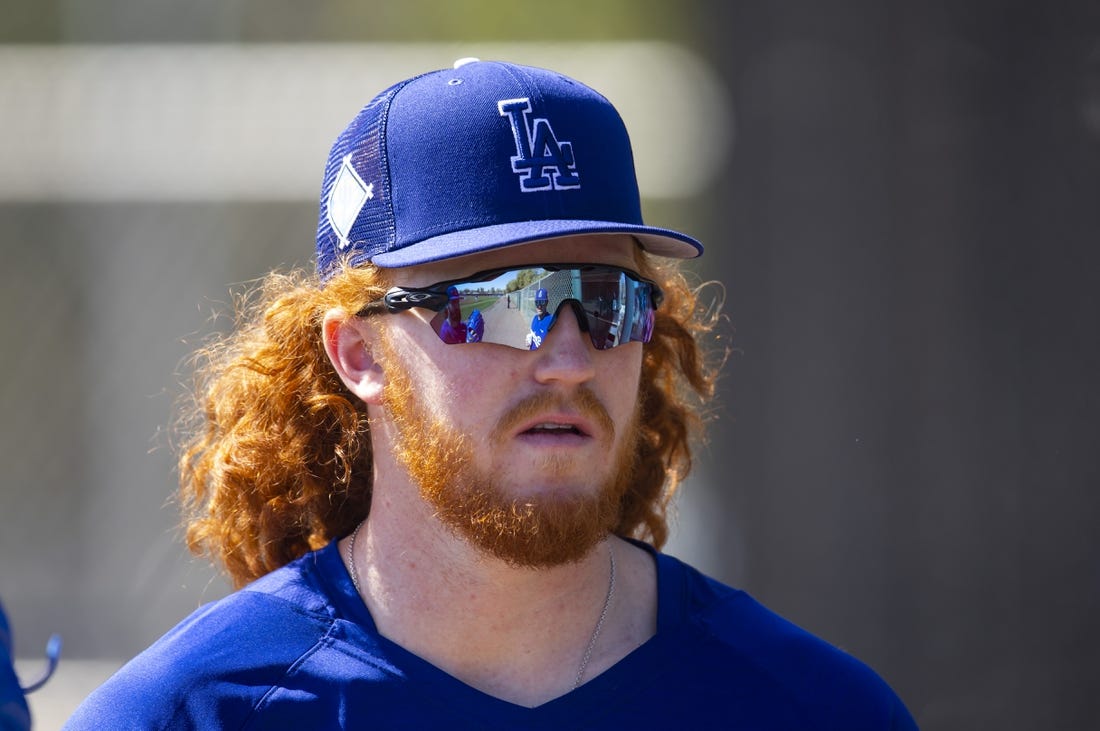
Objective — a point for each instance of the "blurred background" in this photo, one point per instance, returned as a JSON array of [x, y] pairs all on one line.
[[901, 198]]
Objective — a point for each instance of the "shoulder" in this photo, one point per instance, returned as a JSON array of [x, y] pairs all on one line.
[[14, 714], [732, 636], [216, 667]]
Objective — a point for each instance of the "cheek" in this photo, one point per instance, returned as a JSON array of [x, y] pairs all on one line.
[[471, 385], [620, 378]]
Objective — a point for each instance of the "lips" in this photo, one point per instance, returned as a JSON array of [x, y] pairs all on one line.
[[552, 418], [555, 427]]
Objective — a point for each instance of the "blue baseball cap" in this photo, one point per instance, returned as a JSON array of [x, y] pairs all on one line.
[[478, 157]]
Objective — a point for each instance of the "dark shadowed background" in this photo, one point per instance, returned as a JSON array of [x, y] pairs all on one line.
[[902, 199]]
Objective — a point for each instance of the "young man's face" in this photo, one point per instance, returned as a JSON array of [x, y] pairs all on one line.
[[525, 453]]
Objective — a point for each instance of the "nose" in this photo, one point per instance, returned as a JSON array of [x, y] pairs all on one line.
[[566, 354]]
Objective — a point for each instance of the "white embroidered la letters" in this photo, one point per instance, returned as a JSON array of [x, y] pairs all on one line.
[[542, 161]]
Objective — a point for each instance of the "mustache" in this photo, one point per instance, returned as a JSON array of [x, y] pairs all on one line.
[[583, 402]]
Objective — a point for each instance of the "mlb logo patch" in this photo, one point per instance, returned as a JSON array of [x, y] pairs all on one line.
[[346, 199], [542, 161]]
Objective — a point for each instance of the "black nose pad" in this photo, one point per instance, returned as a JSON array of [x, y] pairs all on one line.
[[578, 311]]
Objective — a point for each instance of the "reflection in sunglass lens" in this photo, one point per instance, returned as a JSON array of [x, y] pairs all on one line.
[[518, 307]]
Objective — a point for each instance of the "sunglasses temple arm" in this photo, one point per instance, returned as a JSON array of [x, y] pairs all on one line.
[[399, 299]]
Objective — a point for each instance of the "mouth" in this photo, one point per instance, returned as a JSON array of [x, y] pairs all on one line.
[[551, 420], [554, 428]]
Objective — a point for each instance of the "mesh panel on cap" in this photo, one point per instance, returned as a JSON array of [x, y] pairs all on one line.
[[371, 229]]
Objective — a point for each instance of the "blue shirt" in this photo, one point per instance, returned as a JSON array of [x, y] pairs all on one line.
[[14, 714], [298, 649], [540, 324]]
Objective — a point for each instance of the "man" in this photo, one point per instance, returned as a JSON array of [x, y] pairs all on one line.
[[465, 535], [14, 713], [453, 329], [541, 321]]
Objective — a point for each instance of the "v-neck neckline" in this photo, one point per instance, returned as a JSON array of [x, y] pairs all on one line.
[[445, 690]]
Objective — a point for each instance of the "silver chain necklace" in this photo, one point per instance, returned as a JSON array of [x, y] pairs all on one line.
[[351, 560], [599, 622], [595, 632]]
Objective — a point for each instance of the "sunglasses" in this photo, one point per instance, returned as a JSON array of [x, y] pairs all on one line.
[[518, 306]]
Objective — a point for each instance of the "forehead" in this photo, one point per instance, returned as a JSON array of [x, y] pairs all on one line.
[[614, 249]]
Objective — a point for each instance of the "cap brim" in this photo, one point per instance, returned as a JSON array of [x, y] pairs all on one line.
[[658, 241]]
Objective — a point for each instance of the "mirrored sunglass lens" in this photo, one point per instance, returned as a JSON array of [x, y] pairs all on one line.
[[518, 307]]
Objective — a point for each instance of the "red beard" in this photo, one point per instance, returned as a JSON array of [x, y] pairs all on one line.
[[546, 528]]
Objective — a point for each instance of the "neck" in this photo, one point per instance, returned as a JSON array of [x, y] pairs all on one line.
[[520, 634]]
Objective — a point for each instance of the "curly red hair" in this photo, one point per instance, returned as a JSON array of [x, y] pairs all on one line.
[[276, 453]]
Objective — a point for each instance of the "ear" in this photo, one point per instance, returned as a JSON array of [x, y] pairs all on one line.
[[348, 345]]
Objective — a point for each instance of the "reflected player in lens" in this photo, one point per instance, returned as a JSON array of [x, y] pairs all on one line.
[[453, 329], [541, 322]]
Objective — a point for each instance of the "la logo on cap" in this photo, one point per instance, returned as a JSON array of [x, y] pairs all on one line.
[[538, 151]]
